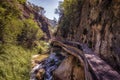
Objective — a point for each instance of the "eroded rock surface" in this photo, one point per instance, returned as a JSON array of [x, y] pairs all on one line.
[[98, 27]]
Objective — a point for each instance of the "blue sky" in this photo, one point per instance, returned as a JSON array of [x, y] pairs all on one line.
[[48, 5]]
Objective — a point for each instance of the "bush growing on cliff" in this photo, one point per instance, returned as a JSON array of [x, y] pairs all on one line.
[[71, 14], [10, 24], [17, 38], [22, 1], [16, 30], [11, 30], [14, 62], [30, 33]]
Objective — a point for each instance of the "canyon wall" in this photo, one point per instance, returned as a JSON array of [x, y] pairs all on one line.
[[97, 24]]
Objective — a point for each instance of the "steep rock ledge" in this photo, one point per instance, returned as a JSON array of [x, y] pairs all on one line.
[[42, 21], [99, 27]]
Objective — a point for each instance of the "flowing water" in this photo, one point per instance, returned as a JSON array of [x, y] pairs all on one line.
[[49, 65]]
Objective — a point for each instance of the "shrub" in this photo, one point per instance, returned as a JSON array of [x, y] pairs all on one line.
[[21, 1], [71, 12], [14, 58], [11, 30], [30, 33], [14, 62]]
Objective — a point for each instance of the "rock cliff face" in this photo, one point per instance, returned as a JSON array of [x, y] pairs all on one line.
[[98, 26], [40, 19]]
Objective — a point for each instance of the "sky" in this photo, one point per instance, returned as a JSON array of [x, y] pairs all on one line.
[[49, 6]]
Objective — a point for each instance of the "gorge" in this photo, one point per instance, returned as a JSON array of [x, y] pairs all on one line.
[[83, 45]]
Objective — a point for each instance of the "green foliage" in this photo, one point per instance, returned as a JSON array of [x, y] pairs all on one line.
[[21, 1], [71, 12], [12, 29], [9, 22], [2, 10], [42, 47], [16, 32], [30, 33], [32, 29], [60, 9], [14, 62], [9, 8]]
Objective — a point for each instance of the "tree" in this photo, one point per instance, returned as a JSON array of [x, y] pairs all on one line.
[[38, 9], [60, 9]]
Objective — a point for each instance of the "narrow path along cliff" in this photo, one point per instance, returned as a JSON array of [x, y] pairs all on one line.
[[86, 43], [94, 67], [63, 39]]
